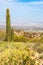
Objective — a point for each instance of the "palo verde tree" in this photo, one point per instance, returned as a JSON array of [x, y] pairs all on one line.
[[8, 26]]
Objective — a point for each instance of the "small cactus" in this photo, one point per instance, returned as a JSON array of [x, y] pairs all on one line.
[[12, 34]]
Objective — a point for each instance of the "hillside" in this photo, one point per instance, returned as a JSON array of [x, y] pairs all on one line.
[[23, 36], [19, 53]]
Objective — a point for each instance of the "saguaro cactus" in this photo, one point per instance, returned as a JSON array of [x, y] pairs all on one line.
[[8, 26], [12, 34]]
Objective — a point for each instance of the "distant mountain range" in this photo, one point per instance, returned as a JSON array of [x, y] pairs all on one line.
[[25, 28], [29, 28]]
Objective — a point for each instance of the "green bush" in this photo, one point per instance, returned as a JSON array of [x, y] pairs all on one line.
[[20, 39]]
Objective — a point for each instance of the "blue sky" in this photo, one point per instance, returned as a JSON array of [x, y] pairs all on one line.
[[29, 0], [22, 12]]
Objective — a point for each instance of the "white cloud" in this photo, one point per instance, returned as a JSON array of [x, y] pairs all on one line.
[[6, 1], [12, 1]]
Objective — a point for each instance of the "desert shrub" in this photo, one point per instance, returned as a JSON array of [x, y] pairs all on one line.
[[40, 48], [15, 38], [20, 39], [17, 53]]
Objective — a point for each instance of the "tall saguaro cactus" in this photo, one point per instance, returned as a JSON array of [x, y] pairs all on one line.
[[8, 26]]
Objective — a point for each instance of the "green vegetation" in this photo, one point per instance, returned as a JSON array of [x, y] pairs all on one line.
[[18, 53], [12, 34], [8, 26], [20, 39]]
